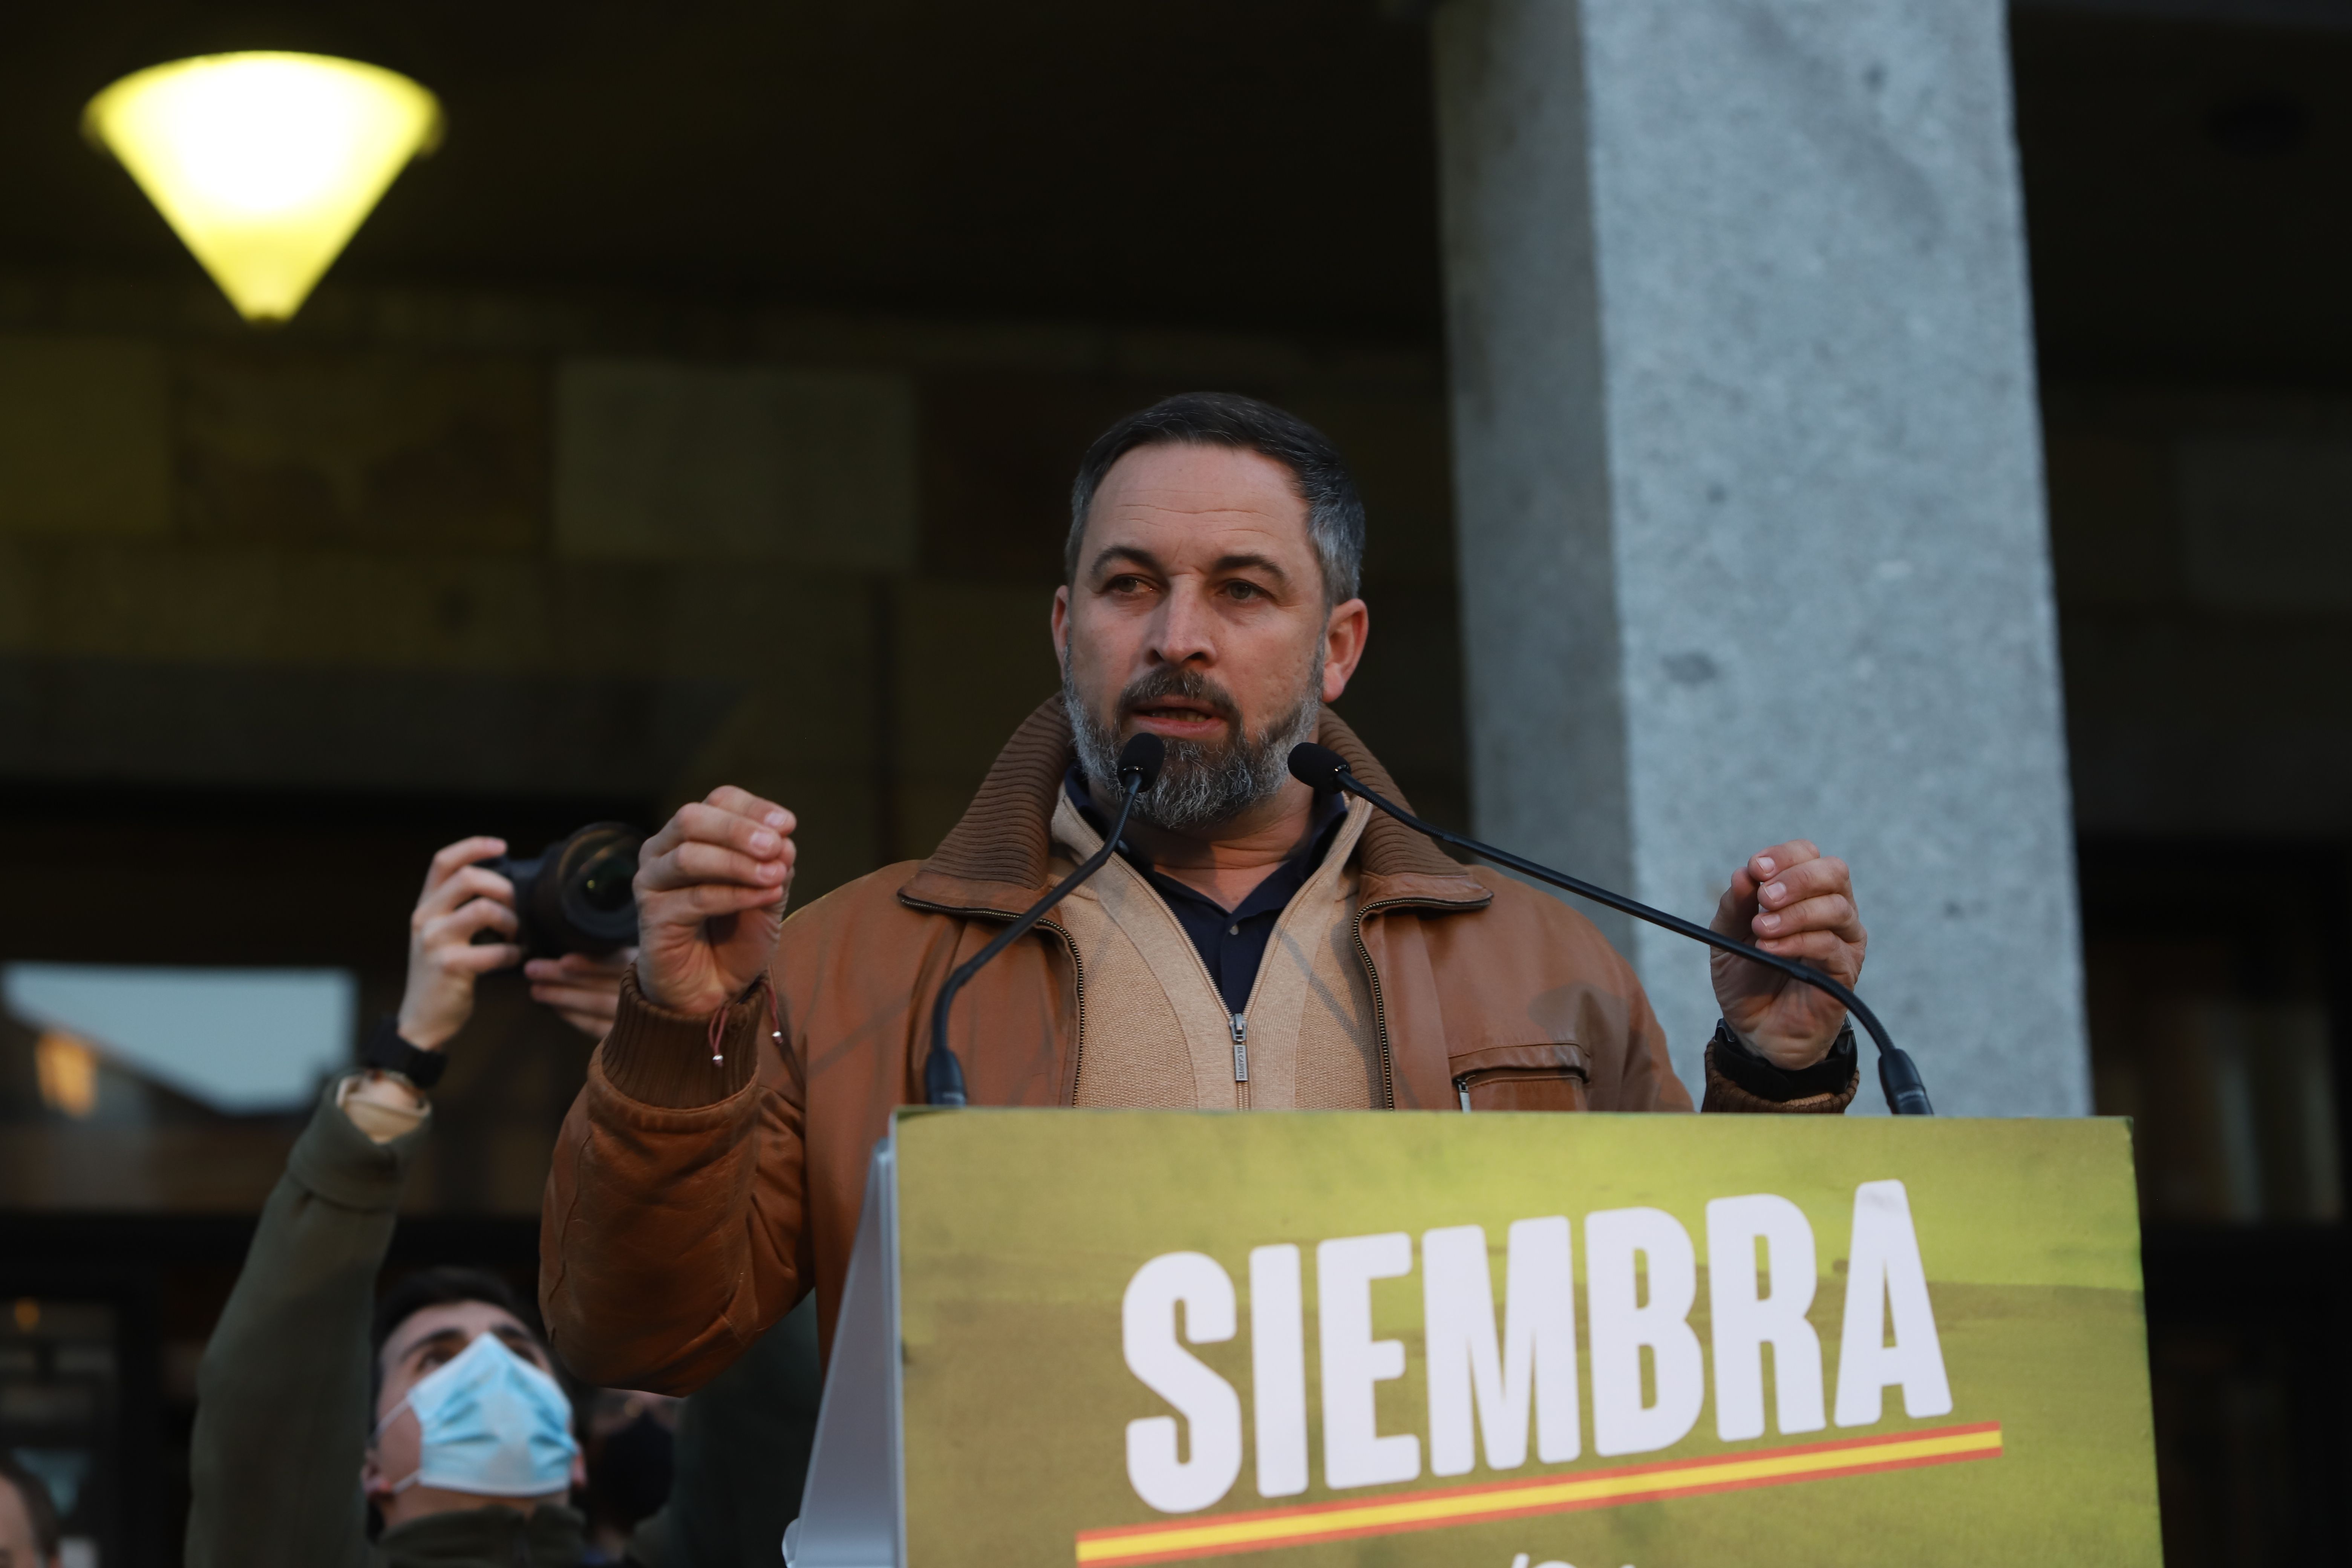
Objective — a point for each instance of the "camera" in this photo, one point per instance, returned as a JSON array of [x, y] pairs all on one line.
[[576, 896]]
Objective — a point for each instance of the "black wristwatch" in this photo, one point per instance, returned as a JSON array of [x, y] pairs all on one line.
[[387, 1052], [1766, 1080]]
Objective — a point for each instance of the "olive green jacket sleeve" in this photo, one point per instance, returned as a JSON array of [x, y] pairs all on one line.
[[282, 1396]]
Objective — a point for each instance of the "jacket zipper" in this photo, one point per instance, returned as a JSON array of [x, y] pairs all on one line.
[[1379, 1008], [1077, 986], [1240, 1023], [1463, 1081]]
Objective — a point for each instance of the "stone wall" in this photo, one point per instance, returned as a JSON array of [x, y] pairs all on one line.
[[286, 609]]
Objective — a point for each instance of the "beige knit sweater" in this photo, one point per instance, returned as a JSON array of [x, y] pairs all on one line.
[[1154, 1031]]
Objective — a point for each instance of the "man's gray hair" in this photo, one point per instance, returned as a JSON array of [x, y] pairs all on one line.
[[1335, 512]]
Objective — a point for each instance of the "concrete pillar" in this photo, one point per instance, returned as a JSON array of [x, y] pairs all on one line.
[[1750, 489]]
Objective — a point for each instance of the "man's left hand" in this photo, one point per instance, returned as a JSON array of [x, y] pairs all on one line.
[[585, 991], [1792, 901]]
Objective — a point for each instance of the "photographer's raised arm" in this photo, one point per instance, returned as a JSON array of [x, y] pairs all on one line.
[[653, 1272], [284, 1414]]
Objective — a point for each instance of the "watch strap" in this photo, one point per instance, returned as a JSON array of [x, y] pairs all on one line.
[[387, 1052], [1766, 1080]]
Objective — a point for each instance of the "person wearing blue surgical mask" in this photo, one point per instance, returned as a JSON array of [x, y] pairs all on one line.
[[438, 1435], [468, 1411], [430, 1428]]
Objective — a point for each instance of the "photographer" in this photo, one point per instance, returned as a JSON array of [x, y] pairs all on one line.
[[449, 1420]]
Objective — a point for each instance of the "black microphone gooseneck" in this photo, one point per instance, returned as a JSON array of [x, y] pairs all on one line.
[[1320, 768], [1139, 768]]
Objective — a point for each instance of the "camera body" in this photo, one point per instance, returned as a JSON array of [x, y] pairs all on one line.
[[577, 894]]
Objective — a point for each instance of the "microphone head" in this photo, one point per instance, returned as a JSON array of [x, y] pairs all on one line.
[[1317, 767], [1143, 753]]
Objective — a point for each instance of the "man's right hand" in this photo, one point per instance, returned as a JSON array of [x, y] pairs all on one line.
[[711, 887]]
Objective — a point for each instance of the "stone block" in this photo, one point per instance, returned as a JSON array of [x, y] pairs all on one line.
[[1395, 446], [85, 437], [998, 453], [969, 663], [659, 460], [377, 451]]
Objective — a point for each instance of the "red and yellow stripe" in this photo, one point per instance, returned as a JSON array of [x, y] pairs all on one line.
[[1177, 1540]]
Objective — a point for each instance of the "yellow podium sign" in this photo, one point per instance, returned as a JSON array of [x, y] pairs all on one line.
[[1516, 1340]]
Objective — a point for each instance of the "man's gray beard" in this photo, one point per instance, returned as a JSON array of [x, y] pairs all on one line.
[[1199, 786]]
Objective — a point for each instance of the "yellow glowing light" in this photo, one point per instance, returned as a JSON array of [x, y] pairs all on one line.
[[67, 1071], [264, 164]]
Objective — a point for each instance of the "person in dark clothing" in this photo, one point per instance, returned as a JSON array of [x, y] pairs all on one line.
[[742, 1451], [461, 1420], [448, 1420], [630, 1440], [317, 1404]]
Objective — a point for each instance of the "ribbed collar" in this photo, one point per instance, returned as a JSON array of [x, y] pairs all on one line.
[[996, 858]]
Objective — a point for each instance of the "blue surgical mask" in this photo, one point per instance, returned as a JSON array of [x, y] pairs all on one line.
[[492, 1425]]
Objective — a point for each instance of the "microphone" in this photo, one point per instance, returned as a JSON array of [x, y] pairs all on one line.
[[1320, 768], [1139, 763]]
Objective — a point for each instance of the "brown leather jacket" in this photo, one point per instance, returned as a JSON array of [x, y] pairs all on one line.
[[693, 1202]]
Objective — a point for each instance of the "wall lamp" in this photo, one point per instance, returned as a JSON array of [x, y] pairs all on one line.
[[265, 163]]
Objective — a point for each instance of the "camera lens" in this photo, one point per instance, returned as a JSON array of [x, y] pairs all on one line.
[[579, 895], [604, 885], [591, 890]]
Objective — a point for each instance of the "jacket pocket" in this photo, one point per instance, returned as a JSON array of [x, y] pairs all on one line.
[[1553, 1074]]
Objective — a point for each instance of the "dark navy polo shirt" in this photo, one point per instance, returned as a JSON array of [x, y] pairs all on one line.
[[1231, 942]]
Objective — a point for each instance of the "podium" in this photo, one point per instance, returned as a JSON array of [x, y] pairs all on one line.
[[1111, 1337]]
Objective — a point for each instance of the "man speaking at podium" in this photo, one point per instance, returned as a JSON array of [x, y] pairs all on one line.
[[1256, 946]]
